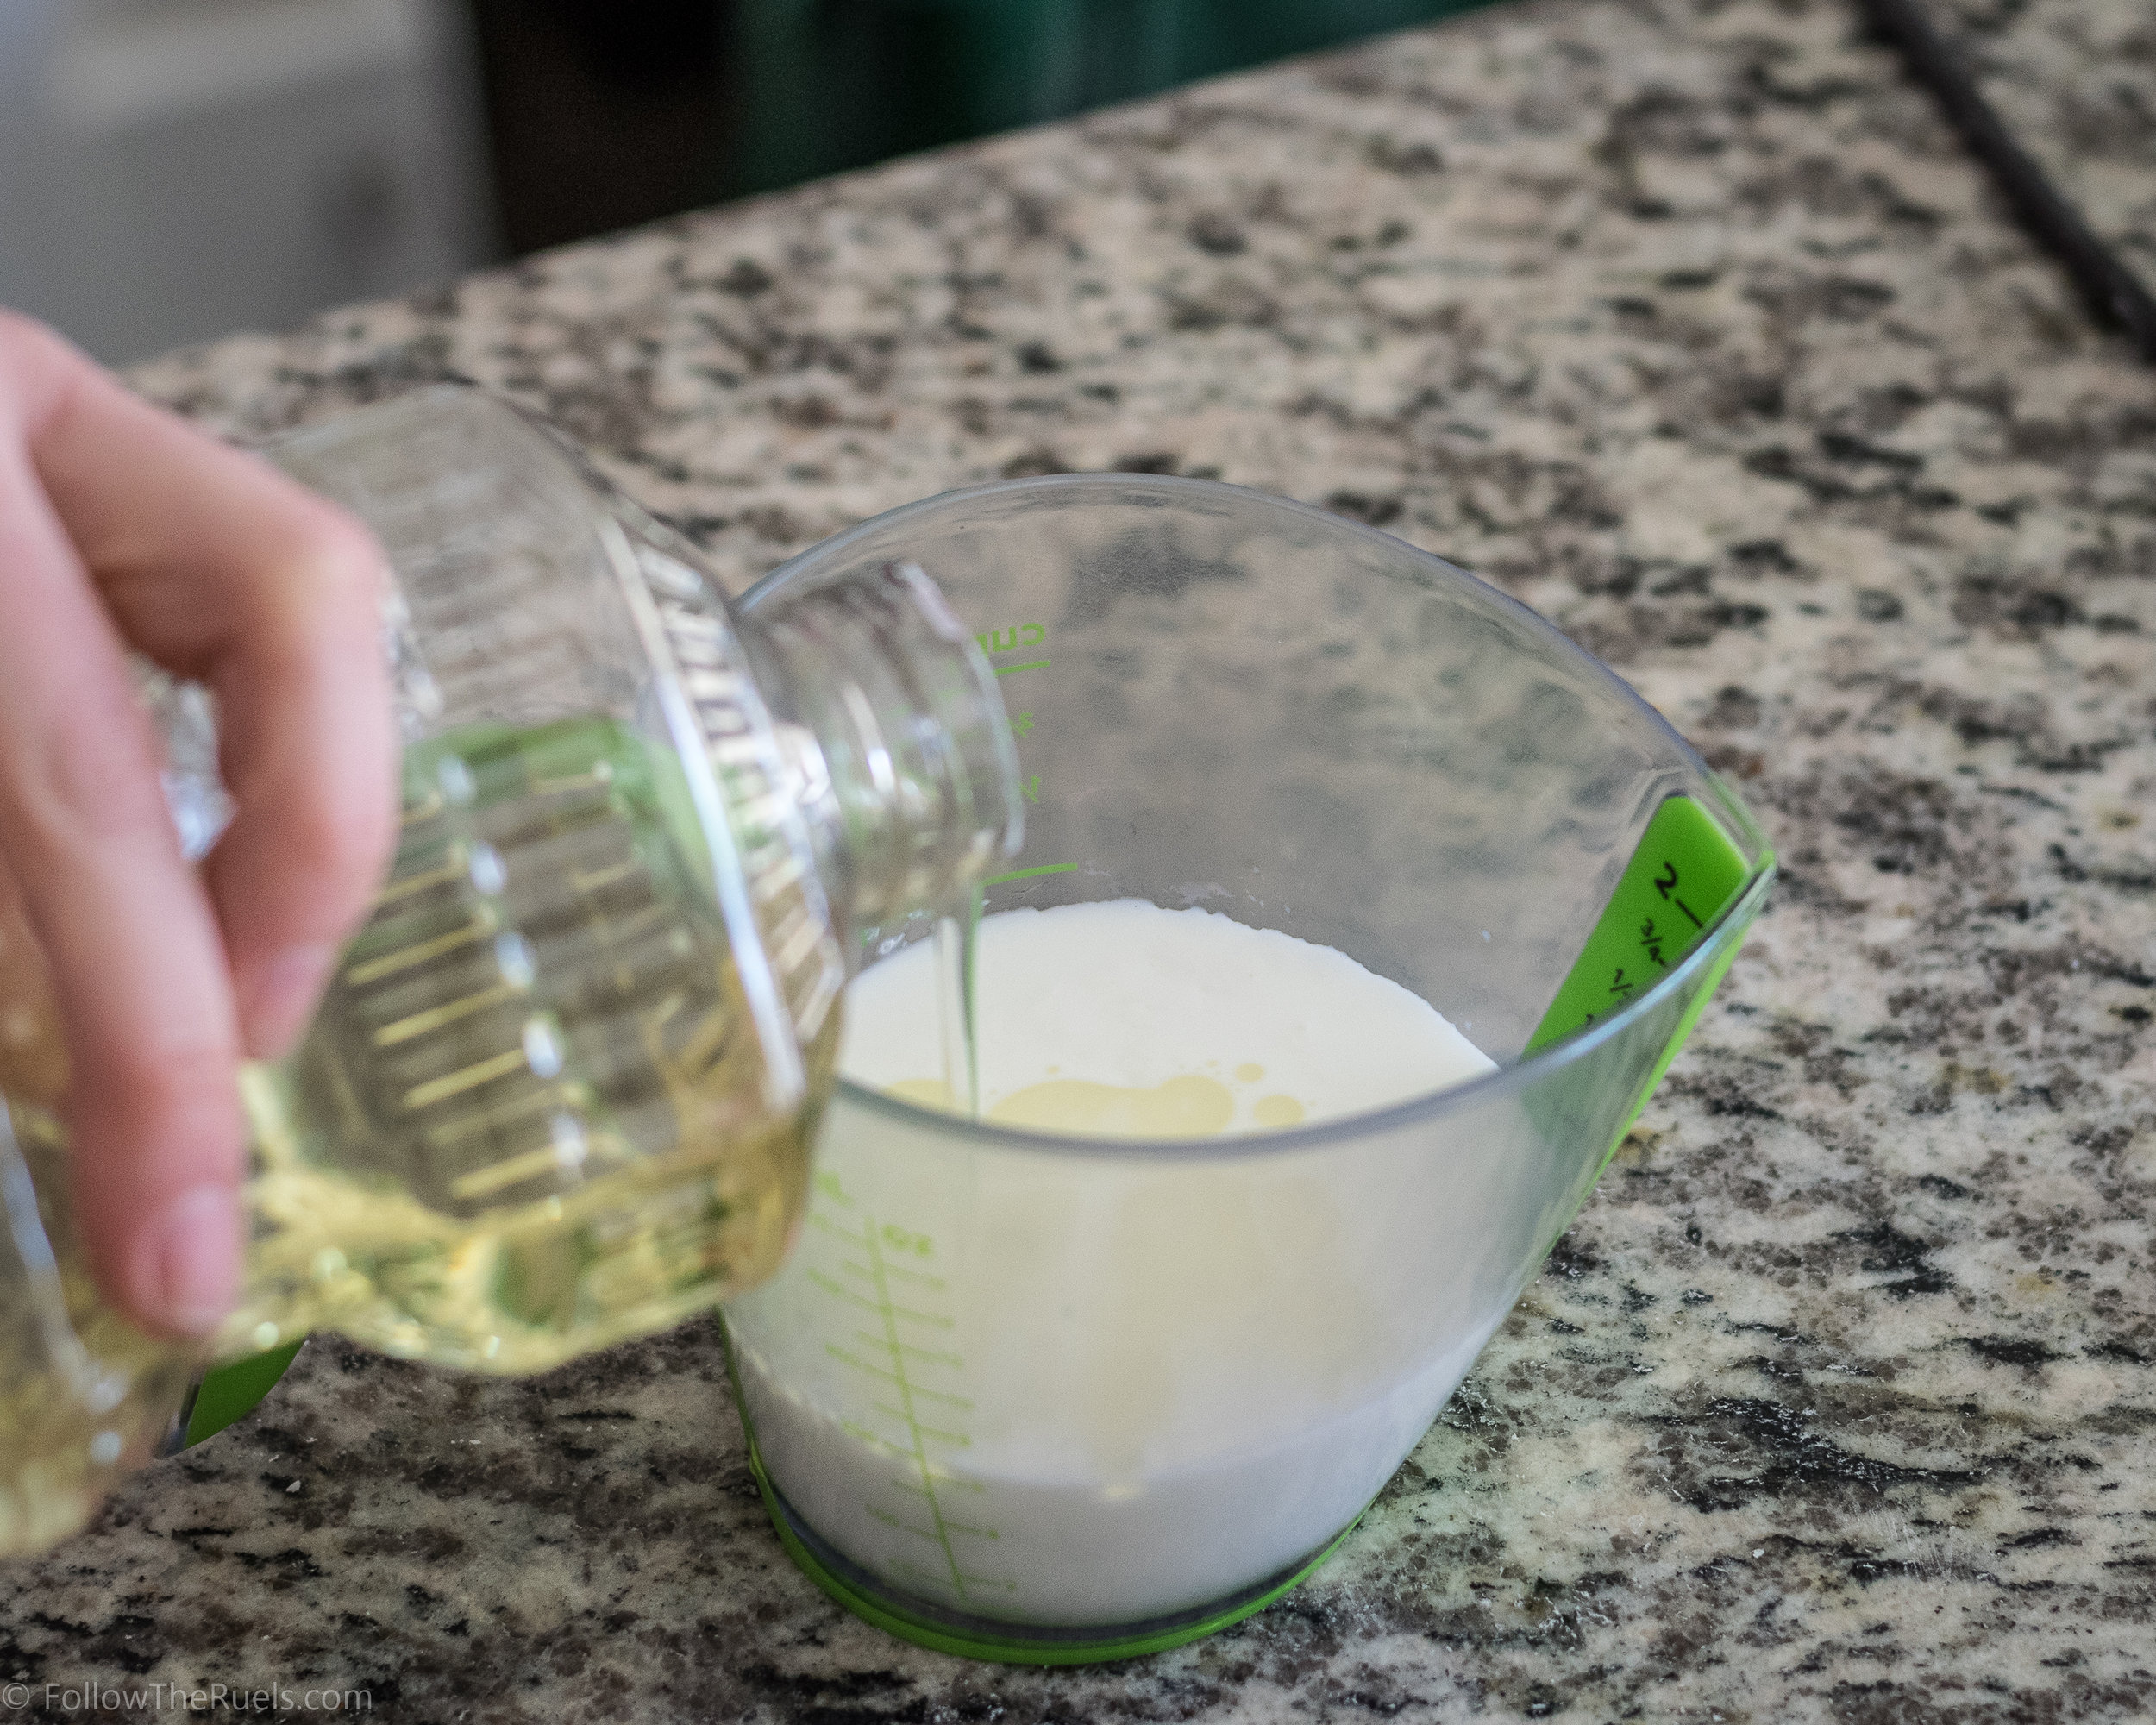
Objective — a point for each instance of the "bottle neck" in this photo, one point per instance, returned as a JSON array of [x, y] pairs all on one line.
[[856, 714], [895, 743]]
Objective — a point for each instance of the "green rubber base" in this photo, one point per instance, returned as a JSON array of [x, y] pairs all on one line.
[[927, 1625]]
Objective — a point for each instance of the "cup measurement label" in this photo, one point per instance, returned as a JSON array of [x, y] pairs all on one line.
[[1684, 875], [1010, 639], [1028, 638], [884, 1280]]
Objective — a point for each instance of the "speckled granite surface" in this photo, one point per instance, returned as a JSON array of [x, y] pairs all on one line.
[[1687, 321]]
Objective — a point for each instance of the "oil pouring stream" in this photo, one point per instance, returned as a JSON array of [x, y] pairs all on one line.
[[562, 1087]]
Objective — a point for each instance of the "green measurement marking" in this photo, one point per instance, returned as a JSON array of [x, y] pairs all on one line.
[[934, 1356], [934, 1283], [1028, 874], [840, 1291], [905, 1410], [975, 1582], [859, 1364], [1686, 872], [1030, 665], [902, 1524], [950, 1481], [854, 1428], [865, 1281], [957, 1440]]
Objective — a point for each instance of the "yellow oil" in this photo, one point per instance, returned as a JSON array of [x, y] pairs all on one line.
[[1188, 1105], [85, 1397], [529, 1118]]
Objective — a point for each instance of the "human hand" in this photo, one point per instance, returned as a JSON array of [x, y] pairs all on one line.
[[121, 527]]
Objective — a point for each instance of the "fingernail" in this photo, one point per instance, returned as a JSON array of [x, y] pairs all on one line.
[[190, 1257], [282, 999]]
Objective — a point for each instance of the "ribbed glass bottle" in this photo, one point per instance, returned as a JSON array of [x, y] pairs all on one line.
[[563, 1085]]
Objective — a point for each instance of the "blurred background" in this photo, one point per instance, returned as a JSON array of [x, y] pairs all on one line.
[[171, 169]]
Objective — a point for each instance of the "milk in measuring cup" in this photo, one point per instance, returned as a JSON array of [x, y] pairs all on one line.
[[1187, 1384]]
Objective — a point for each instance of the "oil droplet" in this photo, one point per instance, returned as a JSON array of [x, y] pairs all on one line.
[[1182, 1108], [1249, 1072], [1278, 1111], [924, 1092]]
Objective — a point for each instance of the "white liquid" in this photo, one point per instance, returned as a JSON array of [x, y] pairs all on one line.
[[1126, 1021], [1088, 1390]]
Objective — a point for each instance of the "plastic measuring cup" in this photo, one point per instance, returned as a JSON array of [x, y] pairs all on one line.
[[966, 1429]]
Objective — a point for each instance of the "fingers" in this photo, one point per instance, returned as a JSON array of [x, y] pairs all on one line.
[[222, 569], [117, 521], [33, 1058], [138, 968]]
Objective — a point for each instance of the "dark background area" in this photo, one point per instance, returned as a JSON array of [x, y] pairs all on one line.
[[601, 114], [174, 170], [605, 113]]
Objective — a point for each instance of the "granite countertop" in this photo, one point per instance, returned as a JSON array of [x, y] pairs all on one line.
[[1689, 322]]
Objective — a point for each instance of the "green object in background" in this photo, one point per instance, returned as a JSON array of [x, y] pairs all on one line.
[[829, 84], [230, 1391]]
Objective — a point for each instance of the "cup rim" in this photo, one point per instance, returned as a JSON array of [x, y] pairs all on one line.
[[1500, 1084]]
